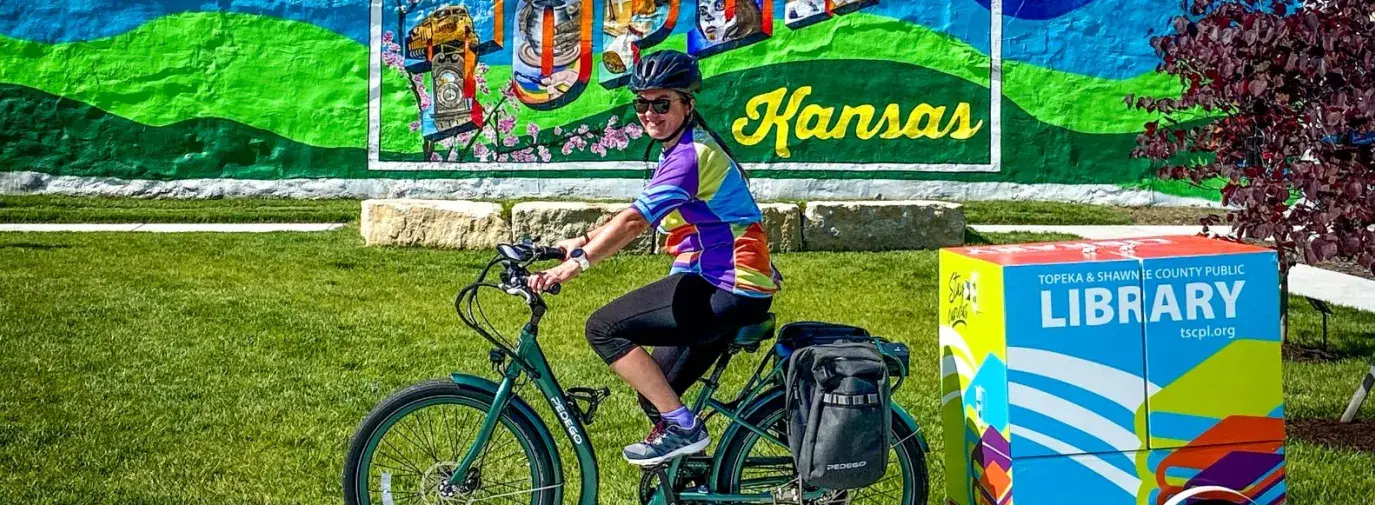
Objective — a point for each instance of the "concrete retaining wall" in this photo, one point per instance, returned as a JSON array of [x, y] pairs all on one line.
[[824, 226]]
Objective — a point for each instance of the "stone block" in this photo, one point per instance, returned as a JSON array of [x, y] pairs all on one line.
[[783, 223], [882, 225], [554, 221], [445, 224]]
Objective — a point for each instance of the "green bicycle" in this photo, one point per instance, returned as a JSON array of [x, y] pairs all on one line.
[[467, 439]]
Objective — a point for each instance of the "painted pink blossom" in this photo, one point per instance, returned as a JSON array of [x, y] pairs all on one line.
[[388, 36], [415, 126], [611, 121], [601, 151], [506, 124], [510, 141], [481, 151], [532, 129], [503, 158], [634, 131], [567, 149], [435, 157], [582, 129], [545, 155], [558, 131]]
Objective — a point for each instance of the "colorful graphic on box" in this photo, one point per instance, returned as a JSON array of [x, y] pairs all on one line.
[[1135, 370], [974, 381]]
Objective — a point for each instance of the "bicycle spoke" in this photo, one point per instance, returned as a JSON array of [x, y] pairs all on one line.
[[397, 471], [424, 434], [462, 440], [404, 463], [413, 442]]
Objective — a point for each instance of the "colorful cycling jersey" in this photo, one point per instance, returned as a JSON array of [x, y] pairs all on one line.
[[699, 198]]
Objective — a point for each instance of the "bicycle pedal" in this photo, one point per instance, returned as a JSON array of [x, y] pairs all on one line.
[[591, 397]]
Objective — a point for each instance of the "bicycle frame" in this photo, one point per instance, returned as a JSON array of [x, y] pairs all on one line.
[[530, 359]]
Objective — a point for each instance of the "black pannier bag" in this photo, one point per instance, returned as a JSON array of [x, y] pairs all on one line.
[[837, 401]]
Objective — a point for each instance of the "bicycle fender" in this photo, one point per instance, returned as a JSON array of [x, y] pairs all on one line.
[[522, 408], [912, 425]]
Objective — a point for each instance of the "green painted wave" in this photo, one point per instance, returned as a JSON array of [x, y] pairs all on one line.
[[51, 134], [309, 84], [295, 79], [54, 135]]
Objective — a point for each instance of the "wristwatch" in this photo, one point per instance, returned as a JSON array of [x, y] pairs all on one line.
[[580, 256]]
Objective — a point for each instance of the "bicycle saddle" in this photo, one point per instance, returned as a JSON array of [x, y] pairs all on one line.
[[748, 337]]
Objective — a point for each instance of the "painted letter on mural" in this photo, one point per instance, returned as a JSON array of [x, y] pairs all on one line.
[[723, 25], [553, 51], [630, 27]]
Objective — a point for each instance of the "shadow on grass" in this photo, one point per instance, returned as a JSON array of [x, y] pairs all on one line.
[[1314, 351], [972, 237], [35, 247]]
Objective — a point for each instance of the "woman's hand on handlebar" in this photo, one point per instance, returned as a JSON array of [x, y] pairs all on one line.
[[568, 245], [541, 281]]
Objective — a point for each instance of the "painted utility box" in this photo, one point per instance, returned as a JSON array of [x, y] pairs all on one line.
[[1128, 372]]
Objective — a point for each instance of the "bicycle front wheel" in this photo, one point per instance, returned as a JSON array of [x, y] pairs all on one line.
[[406, 449], [751, 464]]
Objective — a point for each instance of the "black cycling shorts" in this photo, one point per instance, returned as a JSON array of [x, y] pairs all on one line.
[[683, 317]]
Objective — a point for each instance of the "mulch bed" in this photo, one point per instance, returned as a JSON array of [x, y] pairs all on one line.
[[1301, 353], [1347, 267], [1358, 435]]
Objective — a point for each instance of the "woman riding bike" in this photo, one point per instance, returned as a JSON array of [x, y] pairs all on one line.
[[721, 279]]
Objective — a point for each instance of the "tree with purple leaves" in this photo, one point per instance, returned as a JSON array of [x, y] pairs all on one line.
[[1289, 92]]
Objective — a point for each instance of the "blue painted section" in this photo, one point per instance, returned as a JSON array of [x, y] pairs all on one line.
[[1069, 35], [1061, 479], [74, 20], [991, 404], [1059, 429], [1078, 396], [1067, 325], [1037, 9], [1185, 337]]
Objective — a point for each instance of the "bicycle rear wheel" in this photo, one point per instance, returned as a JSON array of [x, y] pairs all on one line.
[[408, 446], [750, 464]]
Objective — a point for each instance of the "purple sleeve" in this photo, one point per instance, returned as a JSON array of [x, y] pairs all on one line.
[[674, 183]]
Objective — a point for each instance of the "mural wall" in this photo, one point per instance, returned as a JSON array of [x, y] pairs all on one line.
[[819, 98]]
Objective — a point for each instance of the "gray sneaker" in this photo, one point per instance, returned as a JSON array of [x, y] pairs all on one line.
[[667, 443]]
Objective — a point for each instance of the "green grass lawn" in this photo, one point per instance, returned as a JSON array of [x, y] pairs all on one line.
[[70, 209], [231, 369]]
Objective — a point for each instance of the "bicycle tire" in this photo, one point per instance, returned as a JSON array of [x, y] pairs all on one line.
[[911, 460], [369, 437]]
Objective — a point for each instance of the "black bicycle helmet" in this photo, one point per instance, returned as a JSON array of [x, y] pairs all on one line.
[[667, 69]]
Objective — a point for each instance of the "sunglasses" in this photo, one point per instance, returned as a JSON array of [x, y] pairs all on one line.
[[660, 105]]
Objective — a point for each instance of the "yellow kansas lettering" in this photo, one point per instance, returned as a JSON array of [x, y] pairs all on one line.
[[962, 115], [864, 129], [892, 117], [925, 121], [931, 129], [771, 118], [814, 121]]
